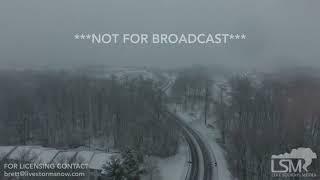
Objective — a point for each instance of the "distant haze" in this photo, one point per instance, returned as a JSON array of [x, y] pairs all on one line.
[[40, 33]]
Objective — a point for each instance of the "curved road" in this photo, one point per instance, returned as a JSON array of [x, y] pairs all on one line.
[[203, 162], [199, 152]]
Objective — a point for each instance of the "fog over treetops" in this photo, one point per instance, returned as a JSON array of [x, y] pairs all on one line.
[[40, 33]]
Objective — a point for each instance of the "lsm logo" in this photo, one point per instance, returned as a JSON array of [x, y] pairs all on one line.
[[293, 164]]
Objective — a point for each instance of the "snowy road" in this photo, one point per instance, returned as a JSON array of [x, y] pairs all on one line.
[[203, 165], [203, 162]]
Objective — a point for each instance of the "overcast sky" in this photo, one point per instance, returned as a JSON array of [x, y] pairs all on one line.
[[40, 32]]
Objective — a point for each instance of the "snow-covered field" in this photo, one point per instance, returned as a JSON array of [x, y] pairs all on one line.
[[175, 167], [210, 134], [171, 168]]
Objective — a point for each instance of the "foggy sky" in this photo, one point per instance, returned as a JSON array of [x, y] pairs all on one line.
[[40, 33]]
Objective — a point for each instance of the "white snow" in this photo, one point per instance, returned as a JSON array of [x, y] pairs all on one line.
[[5, 150], [43, 155], [35, 152], [99, 159], [174, 167], [210, 134], [84, 156], [47, 155], [64, 156], [95, 159], [16, 154]]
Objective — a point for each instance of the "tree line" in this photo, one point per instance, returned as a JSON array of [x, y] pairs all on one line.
[[193, 90], [258, 116], [270, 116], [62, 109]]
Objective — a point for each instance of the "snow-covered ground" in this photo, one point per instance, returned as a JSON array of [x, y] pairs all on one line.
[[210, 134], [175, 167], [172, 168], [4, 150], [95, 159]]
